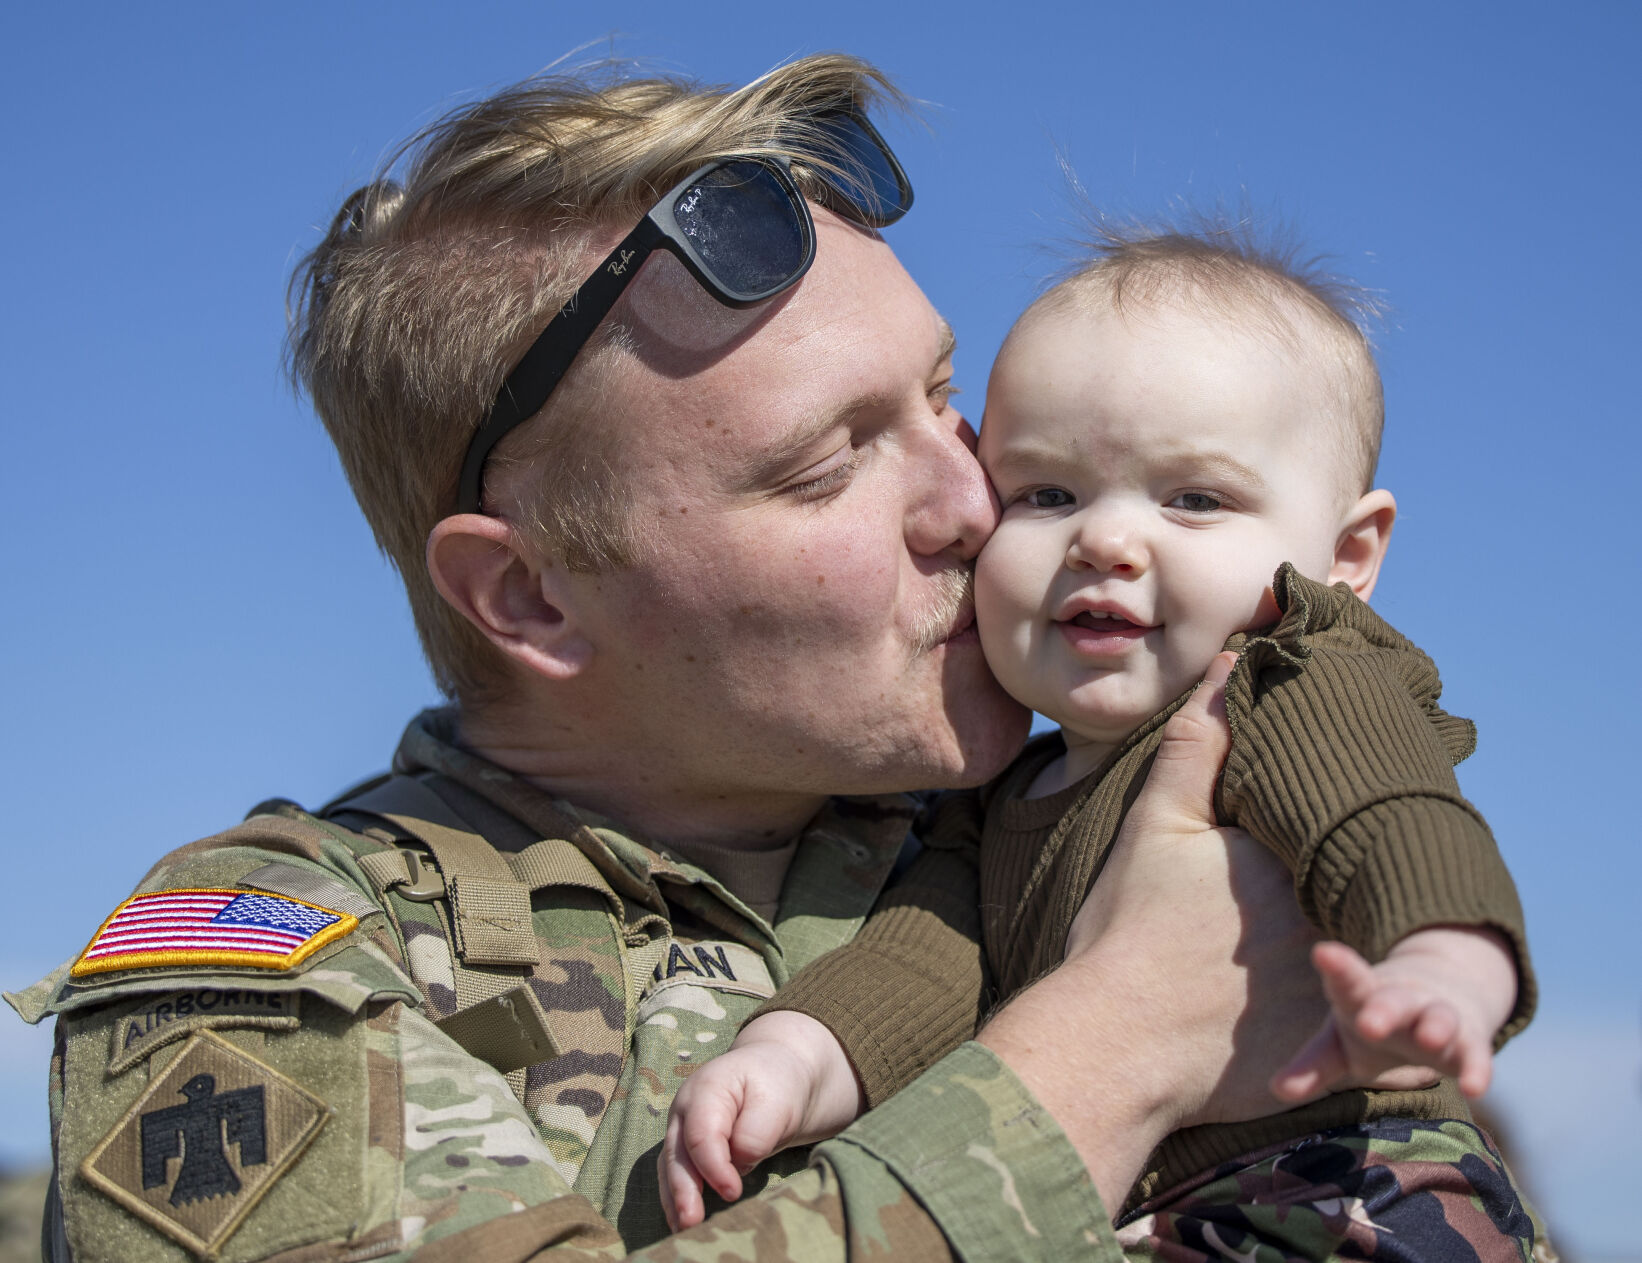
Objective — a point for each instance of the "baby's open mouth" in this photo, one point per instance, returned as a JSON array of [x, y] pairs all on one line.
[[1106, 622]]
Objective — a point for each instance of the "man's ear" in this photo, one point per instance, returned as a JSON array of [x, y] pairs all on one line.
[[519, 602], [1360, 547]]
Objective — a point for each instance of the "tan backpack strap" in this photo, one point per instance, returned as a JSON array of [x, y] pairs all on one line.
[[556, 862], [384, 868], [490, 907], [500, 1015]]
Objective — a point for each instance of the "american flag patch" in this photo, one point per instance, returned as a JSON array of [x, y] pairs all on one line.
[[211, 927]]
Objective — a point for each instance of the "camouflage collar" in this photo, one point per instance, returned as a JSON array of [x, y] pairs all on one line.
[[862, 836]]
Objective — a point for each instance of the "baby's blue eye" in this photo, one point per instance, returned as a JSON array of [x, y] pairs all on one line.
[[1197, 502], [1049, 498]]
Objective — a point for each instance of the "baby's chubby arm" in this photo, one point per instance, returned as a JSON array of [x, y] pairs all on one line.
[[1437, 999], [785, 1081]]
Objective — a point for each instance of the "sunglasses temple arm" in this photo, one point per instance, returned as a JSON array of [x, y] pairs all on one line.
[[550, 356]]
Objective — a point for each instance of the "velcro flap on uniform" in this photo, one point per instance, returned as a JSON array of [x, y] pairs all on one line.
[[492, 921], [556, 862], [310, 885], [509, 1031]]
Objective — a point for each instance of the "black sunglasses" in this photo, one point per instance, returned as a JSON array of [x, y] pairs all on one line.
[[741, 227]]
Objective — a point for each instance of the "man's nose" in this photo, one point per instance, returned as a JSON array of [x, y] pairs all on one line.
[[1110, 543], [951, 508]]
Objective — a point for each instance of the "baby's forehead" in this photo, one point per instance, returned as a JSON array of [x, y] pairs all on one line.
[[1163, 383], [1105, 349]]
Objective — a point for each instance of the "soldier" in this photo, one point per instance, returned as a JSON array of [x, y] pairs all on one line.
[[690, 559]]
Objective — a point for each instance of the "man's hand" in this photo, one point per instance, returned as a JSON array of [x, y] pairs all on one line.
[[1186, 968], [1204, 920], [1435, 1000]]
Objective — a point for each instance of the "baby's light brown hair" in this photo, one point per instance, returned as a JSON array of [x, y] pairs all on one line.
[[1226, 270]]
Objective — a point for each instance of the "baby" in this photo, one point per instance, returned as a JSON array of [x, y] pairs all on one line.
[[1169, 429]]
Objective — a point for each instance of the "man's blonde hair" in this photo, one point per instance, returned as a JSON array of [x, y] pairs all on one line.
[[1226, 268], [431, 282]]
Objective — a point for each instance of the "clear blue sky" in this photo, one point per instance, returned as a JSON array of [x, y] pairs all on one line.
[[196, 616]]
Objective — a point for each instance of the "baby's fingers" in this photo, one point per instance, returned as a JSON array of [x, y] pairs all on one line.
[[1348, 979], [704, 1137], [1318, 1066], [680, 1182], [1436, 1030], [1448, 1046], [1370, 1008], [1395, 1016], [1476, 1067]]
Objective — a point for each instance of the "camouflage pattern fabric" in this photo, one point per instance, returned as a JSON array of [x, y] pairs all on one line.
[[1404, 1190], [644, 970]]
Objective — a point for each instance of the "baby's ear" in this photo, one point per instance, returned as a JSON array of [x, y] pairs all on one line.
[[1360, 547]]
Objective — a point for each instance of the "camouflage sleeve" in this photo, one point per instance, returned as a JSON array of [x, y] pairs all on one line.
[[964, 1164], [983, 1159], [1417, 1191]]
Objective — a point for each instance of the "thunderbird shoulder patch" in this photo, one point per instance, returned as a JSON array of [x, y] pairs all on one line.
[[209, 1137], [211, 927]]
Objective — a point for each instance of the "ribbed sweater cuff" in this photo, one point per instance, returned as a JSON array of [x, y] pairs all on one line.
[[1411, 863], [890, 1032], [897, 1003]]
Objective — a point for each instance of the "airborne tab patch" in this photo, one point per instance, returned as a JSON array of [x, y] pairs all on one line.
[[211, 927], [203, 1144], [157, 1020]]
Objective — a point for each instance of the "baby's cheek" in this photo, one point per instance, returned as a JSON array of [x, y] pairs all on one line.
[[1002, 613], [1265, 610], [1239, 603]]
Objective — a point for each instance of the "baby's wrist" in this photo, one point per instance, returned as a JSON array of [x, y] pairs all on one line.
[[835, 1093], [1477, 961]]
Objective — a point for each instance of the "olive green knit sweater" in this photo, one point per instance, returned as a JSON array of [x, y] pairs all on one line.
[[1341, 762]]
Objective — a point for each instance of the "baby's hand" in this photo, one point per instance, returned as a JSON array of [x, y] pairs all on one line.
[[1435, 1000], [785, 1081]]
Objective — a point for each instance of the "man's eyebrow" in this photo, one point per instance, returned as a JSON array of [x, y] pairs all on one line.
[[947, 341]]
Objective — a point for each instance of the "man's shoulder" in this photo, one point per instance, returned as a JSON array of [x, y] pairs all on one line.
[[276, 904]]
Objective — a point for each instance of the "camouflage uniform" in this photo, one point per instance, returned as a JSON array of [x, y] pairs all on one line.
[[380, 1099], [1392, 1189], [460, 1077]]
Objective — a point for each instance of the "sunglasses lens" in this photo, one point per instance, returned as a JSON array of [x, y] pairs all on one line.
[[744, 228], [870, 182]]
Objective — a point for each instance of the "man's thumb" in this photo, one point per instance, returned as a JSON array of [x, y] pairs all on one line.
[[1195, 741]]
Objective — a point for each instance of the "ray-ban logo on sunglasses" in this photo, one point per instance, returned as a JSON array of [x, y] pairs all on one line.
[[618, 266]]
